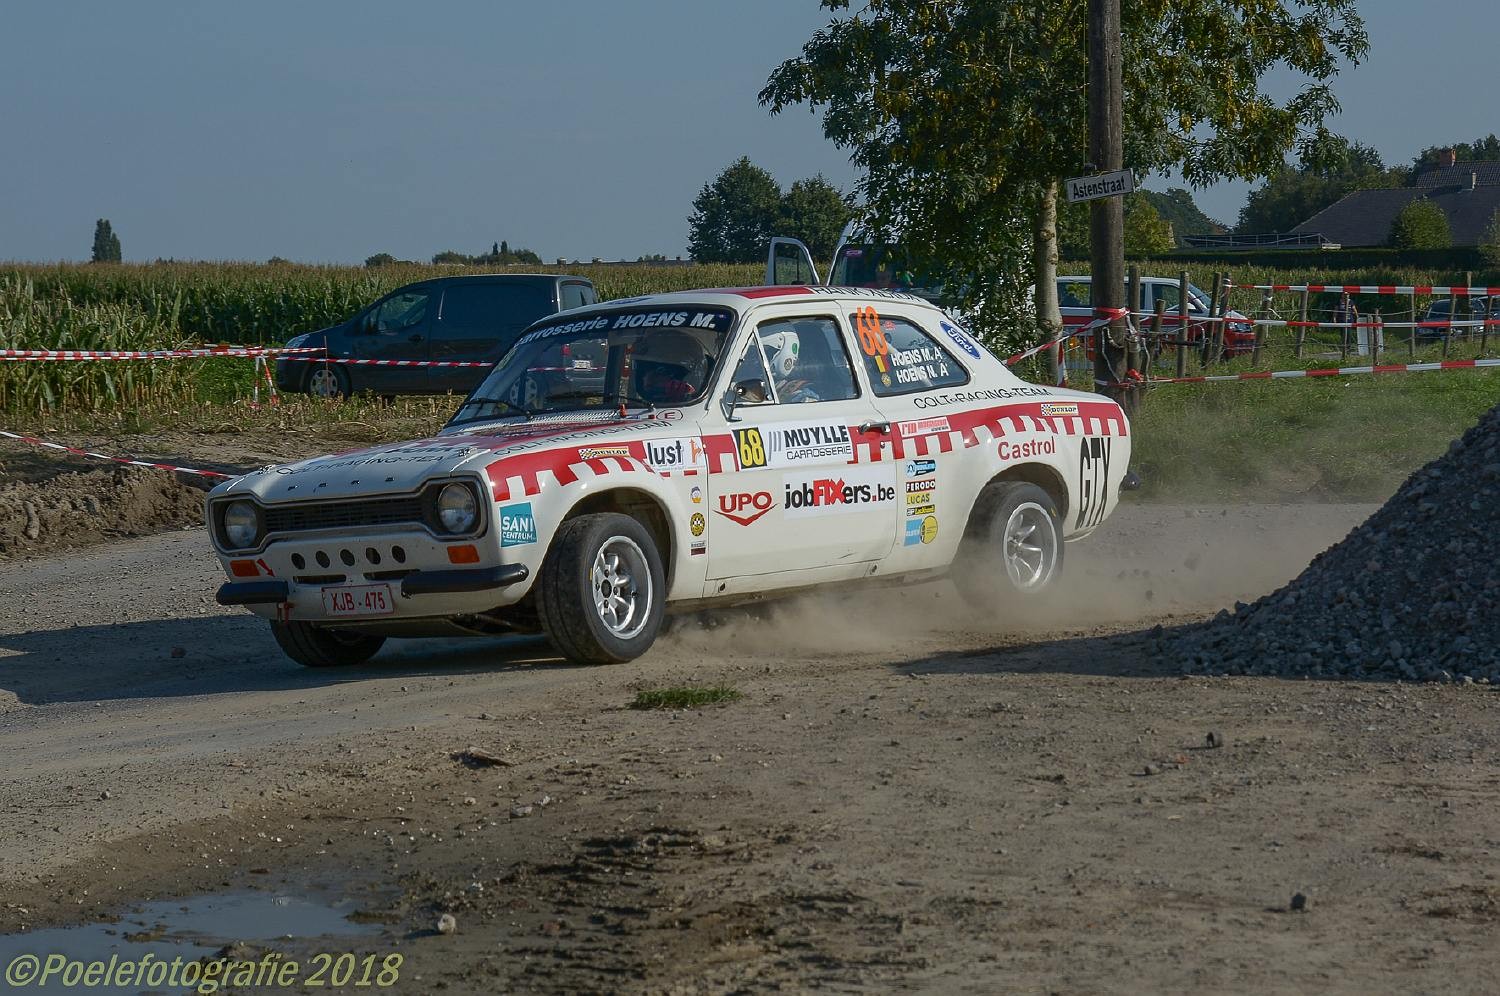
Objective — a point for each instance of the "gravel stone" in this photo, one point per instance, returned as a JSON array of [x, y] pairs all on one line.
[[1401, 597]]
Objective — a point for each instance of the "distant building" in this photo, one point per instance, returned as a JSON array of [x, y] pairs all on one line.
[[1468, 193]]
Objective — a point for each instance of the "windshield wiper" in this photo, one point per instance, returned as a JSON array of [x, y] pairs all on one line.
[[527, 412]]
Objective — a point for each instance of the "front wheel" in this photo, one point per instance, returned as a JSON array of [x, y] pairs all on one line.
[[602, 589], [1013, 549], [328, 382], [318, 646]]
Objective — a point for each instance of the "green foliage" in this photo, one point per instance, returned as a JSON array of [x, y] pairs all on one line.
[[1328, 170], [1182, 212], [683, 697], [816, 212], [1146, 231], [958, 111], [1489, 242], [735, 216], [1421, 225], [380, 259], [106, 243]]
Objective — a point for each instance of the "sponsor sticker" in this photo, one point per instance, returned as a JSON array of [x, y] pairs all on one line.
[[517, 525], [744, 507], [696, 494], [852, 489], [924, 426], [749, 448], [920, 468], [681, 453], [806, 442], [960, 339], [697, 524], [919, 531], [1058, 408], [1025, 450], [597, 452], [913, 511], [698, 548]]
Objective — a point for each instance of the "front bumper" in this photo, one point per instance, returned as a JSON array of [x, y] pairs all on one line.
[[276, 591]]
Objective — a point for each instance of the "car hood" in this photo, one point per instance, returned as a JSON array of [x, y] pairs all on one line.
[[400, 468]]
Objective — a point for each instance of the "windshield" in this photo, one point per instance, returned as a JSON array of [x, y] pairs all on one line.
[[630, 357], [881, 265]]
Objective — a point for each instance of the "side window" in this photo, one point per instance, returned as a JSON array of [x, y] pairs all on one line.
[[1169, 294], [901, 358], [401, 311], [576, 295], [1073, 294], [807, 360], [471, 305]]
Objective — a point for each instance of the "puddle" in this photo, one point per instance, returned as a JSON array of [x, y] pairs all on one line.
[[200, 926]]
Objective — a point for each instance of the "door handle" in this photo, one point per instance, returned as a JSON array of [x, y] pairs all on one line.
[[884, 427], [416, 337]]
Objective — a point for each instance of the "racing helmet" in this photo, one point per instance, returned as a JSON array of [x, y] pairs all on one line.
[[672, 354], [782, 349]]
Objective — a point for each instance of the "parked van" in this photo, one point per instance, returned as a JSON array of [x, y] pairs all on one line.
[[471, 318]]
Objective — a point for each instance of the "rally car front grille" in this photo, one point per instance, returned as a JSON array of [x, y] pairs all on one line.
[[306, 516]]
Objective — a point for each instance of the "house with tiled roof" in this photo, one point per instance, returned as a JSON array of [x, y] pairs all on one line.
[[1468, 194]]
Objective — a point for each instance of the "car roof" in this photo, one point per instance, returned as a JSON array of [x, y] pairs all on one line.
[[743, 298]]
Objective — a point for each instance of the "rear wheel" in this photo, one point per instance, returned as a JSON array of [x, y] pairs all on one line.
[[318, 646], [1013, 549], [602, 589], [328, 382]]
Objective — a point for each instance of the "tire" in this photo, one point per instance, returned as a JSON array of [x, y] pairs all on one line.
[[994, 569], [328, 382], [582, 623], [316, 646]]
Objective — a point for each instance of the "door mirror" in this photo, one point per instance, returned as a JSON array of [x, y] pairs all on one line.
[[727, 403], [367, 323], [752, 391]]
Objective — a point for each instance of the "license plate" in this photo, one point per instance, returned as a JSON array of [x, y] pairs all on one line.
[[358, 600]]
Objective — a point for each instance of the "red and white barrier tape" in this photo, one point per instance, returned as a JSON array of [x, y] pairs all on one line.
[[33, 441], [1377, 289], [1114, 313], [341, 361], [152, 354], [1332, 372]]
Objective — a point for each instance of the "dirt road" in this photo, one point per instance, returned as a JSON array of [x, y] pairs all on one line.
[[905, 794]]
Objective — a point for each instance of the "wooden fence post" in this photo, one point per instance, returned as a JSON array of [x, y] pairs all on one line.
[[1302, 329], [1265, 314], [1182, 309], [1376, 329], [1208, 331]]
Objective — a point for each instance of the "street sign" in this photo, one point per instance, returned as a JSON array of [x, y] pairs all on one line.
[[1088, 188]]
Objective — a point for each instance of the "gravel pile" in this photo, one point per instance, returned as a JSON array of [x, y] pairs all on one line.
[[1413, 593]]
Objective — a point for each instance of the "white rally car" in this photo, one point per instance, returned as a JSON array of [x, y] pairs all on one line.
[[680, 451]]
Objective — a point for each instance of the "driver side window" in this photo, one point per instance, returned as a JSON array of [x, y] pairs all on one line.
[[400, 311]]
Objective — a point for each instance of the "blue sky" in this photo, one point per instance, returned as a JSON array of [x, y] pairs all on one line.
[[326, 132]]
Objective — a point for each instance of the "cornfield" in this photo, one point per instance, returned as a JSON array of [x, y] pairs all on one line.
[[29, 320]]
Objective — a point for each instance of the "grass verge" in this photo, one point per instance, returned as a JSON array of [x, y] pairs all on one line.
[[683, 697]]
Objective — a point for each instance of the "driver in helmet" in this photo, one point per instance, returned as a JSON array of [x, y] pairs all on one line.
[[783, 350], [670, 367]]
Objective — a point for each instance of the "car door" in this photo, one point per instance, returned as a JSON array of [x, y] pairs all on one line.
[[395, 328], [810, 486], [906, 355], [478, 321]]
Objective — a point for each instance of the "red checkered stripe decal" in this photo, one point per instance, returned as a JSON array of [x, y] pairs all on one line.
[[526, 474]]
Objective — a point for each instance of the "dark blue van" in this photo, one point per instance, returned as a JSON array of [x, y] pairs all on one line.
[[474, 318]]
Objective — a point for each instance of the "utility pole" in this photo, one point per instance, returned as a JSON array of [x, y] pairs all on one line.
[[1107, 214]]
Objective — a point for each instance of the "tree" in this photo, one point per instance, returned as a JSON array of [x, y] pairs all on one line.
[[106, 243], [1146, 231], [816, 212], [1421, 225], [451, 257], [971, 200], [1178, 207], [1328, 170], [380, 259], [1489, 242], [734, 216]]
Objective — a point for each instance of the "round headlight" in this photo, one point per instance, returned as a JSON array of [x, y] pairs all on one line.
[[456, 508], [241, 525]]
